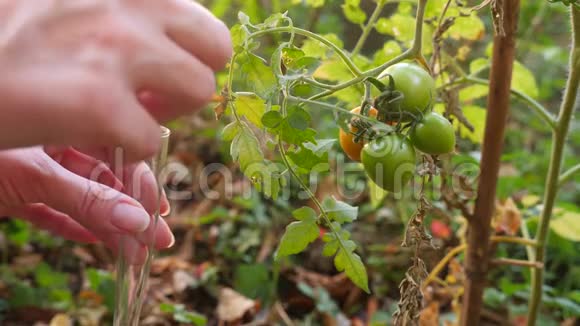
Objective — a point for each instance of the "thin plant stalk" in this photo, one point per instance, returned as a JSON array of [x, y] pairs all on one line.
[[131, 285], [554, 171]]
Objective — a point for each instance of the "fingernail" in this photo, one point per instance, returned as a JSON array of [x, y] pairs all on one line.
[[130, 218], [165, 206], [172, 242]]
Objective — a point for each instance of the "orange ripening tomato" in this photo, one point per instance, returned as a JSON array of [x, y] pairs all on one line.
[[350, 148]]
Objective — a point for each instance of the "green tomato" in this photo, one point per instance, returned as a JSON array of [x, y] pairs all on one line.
[[415, 91], [433, 135], [389, 161]]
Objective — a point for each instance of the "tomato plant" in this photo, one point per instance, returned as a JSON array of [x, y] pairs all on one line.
[[272, 96]]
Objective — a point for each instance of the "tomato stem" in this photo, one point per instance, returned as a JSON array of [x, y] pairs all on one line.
[[552, 180], [368, 27]]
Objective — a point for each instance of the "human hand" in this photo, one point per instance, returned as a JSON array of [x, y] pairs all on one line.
[[97, 73], [78, 197]]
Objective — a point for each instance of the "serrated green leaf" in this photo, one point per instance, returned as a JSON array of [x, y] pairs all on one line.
[[351, 264], [245, 149], [524, 81], [298, 118], [304, 214], [353, 12], [339, 211], [309, 161], [567, 225], [292, 135], [250, 106], [230, 131], [297, 237], [256, 75], [272, 119]]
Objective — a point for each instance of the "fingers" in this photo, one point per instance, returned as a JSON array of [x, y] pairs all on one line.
[[178, 81], [200, 33], [137, 179], [84, 108], [55, 222], [159, 233], [138, 182], [85, 166]]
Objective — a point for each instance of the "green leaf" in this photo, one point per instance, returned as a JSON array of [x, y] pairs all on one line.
[[321, 147], [473, 92], [478, 65], [250, 106], [351, 264], [304, 213], [353, 12], [243, 18], [257, 76], [297, 237], [314, 48], [292, 135], [266, 177], [475, 115], [467, 27], [309, 161], [290, 55], [567, 225], [240, 36], [330, 248], [272, 119], [402, 27], [230, 131], [333, 70], [298, 118], [245, 149], [524, 81], [389, 50], [339, 211]]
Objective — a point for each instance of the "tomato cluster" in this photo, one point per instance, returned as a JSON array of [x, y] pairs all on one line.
[[389, 158]]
